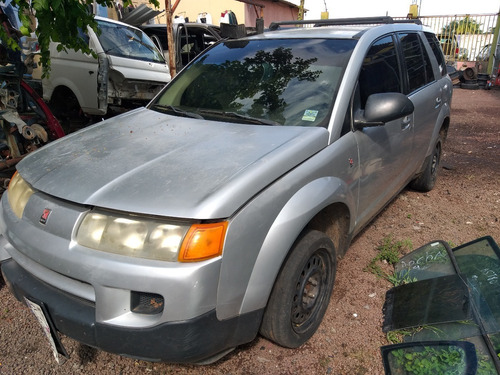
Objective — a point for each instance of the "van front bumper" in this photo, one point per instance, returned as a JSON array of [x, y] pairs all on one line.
[[203, 339]]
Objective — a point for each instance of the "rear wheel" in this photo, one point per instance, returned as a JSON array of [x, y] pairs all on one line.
[[427, 180], [302, 291]]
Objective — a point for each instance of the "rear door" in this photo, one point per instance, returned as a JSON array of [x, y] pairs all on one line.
[[426, 92]]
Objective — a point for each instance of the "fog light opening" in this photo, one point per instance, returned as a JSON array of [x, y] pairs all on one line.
[[146, 303]]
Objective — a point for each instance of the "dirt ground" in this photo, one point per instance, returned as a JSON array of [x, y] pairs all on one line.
[[463, 206]]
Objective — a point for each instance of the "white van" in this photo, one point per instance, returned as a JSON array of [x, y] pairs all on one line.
[[128, 72]]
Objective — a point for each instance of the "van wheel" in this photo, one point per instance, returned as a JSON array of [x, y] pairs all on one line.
[[66, 108], [302, 291], [426, 181]]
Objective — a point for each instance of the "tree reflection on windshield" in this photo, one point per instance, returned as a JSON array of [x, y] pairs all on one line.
[[280, 68], [289, 82]]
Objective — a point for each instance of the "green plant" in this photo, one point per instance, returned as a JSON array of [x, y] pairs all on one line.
[[396, 337], [401, 278], [389, 251], [484, 365], [430, 360]]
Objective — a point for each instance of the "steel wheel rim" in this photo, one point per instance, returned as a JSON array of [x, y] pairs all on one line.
[[435, 161], [310, 291]]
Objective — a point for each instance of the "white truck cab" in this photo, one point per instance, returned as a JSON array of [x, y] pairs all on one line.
[[128, 71]]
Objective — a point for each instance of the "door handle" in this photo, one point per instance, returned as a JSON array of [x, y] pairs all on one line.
[[438, 102], [91, 72], [406, 123]]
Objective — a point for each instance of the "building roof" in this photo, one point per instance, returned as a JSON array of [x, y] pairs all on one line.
[[261, 3]]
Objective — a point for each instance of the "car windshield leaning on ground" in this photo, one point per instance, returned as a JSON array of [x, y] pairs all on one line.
[[180, 230]]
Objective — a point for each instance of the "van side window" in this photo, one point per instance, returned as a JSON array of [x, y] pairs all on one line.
[[83, 35], [418, 64], [438, 53], [380, 72]]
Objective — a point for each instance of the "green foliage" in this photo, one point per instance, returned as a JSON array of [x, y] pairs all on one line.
[[397, 336], [57, 20], [485, 366], [431, 361], [464, 26], [389, 252], [401, 278]]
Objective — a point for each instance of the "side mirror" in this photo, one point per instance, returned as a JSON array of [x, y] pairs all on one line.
[[382, 108]]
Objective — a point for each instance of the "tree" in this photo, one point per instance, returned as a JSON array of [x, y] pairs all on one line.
[[57, 20], [464, 26]]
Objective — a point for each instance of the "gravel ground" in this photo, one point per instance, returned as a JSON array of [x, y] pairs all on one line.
[[463, 206]]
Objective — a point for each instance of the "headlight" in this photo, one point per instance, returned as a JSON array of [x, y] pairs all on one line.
[[149, 238], [19, 192]]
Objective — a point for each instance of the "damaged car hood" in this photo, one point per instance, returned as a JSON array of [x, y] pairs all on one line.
[[152, 163]]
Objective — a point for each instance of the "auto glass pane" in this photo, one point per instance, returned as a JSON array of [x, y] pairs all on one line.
[[286, 81], [430, 358], [428, 261], [479, 262], [432, 301], [418, 67], [380, 72], [432, 39], [123, 41]]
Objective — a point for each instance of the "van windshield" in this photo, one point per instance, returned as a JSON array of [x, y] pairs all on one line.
[[290, 82], [123, 41]]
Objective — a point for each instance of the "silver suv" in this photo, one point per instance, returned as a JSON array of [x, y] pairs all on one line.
[[179, 231]]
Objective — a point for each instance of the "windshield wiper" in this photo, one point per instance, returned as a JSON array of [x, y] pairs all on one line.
[[170, 108], [252, 120]]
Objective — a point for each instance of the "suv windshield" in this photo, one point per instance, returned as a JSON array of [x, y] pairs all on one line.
[[123, 41], [275, 81]]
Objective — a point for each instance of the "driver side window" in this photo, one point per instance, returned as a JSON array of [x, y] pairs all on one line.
[[380, 72]]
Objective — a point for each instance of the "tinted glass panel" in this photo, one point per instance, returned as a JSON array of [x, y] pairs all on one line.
[[282, 82], [380, 71], [432, 39], [479, 261], [419, 69], [431, 358]]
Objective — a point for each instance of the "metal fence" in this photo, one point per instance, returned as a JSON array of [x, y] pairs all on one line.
[[464, 37]]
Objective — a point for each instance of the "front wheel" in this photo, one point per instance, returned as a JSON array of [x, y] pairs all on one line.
[[426, 181], [302, 291]]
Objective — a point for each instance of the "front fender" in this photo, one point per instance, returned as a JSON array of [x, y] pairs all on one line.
[[292, 219]]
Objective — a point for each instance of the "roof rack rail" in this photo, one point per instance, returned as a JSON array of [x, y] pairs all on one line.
[[342, 21]]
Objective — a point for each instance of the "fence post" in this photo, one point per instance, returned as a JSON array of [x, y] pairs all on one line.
[[494, 43]]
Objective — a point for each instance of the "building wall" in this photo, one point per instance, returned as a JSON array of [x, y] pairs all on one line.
[[193, 8], [245, 13], [273, 12]]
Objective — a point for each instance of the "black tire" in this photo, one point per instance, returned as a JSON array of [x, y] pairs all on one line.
[[66, 109], [426, 181], [469, 86], [302, 291]]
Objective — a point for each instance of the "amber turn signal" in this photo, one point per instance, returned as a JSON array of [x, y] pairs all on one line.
[[203, 241]]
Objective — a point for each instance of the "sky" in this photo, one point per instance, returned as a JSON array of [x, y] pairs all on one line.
[[396, 8]]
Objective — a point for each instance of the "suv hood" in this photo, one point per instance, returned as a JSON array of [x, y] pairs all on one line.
[[152, 163]]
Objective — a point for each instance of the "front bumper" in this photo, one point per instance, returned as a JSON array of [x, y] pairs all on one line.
[[198, 340]]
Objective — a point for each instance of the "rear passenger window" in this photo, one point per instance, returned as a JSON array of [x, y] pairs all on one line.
[[380, 72], [438, 53], [418, 64]]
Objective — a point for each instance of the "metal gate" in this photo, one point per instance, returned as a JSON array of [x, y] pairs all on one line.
[[466, 38]]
